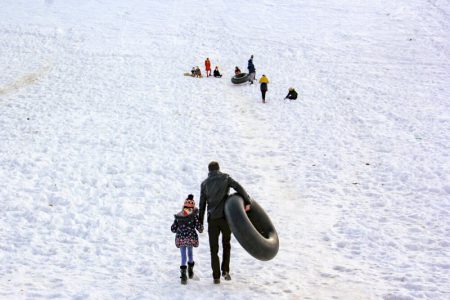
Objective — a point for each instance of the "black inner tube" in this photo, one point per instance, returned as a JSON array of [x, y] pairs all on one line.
[[253, 229]]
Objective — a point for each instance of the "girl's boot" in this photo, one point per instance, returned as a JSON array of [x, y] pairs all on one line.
[[183, 275], [191, 269]]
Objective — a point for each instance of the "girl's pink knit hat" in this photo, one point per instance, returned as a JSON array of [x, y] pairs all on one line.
[[189, 202]]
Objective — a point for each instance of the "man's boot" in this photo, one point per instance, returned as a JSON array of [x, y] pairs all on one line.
[[183, 275], [226, 275], [191, 269]]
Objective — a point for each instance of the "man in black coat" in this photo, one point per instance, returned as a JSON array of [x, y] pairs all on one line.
[[214, 192], [251, 70]]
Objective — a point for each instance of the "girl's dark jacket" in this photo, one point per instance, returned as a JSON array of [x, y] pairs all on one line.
[[184, 227]]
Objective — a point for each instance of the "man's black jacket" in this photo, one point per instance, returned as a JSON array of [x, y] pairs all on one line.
[[214, 191]]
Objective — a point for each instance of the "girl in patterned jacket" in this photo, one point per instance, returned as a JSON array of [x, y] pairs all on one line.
[[185, 223]]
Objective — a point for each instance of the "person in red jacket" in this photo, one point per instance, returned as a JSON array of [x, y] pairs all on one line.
[[208, 67]]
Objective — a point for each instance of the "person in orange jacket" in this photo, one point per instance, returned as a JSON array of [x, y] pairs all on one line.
[[208, 67], [263, 81]]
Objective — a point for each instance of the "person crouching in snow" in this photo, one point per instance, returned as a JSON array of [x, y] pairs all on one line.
[[208, 67], [292, 95], [185, 223], [264, 81], [217, 73], [198, 73], [237, 71]]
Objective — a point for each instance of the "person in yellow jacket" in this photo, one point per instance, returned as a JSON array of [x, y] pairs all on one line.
[[264, 81]]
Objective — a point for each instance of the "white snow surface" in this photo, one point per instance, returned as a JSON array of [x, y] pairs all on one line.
[[102, 138]]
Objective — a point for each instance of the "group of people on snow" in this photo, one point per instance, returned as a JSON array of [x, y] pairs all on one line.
[[195, 72], [263, 81], [213, 193]]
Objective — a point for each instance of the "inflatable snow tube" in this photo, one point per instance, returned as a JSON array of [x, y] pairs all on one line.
[[241, 78], [253, 229]]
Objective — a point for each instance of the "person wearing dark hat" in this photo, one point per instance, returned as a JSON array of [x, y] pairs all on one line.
[[213, 193], [185, 223], [251, 70], [216, 72]]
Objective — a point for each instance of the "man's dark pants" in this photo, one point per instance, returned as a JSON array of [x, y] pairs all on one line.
[[215, 227]]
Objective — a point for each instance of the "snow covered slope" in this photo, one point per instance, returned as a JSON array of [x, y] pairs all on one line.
[[102, 137]]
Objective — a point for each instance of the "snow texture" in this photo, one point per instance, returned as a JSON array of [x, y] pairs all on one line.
[[102, 138]]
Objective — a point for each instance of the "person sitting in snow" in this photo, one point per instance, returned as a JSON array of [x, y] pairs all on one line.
[[193, 72], [185, 223], [292, 95], [237, 71], [217, 73], [198, 73]]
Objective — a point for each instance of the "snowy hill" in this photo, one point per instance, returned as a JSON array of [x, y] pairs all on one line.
[[102, 138]]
